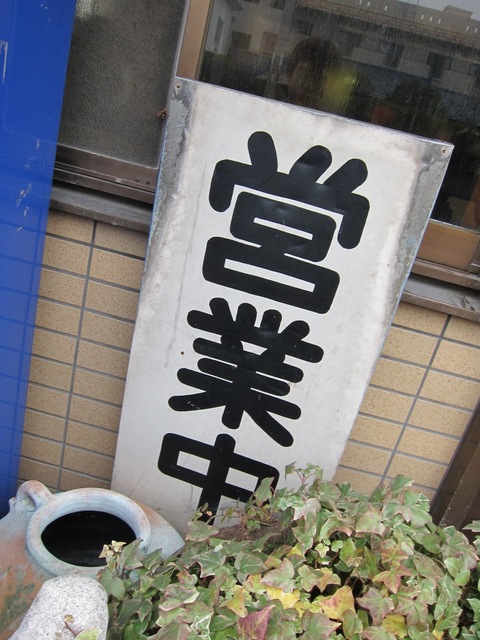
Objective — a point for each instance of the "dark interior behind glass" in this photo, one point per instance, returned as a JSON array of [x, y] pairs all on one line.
[[395, 63]]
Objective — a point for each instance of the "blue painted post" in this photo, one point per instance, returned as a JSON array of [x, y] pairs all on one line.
[[34, 46]]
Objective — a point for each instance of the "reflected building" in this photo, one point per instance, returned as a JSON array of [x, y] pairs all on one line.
[[405, 66]]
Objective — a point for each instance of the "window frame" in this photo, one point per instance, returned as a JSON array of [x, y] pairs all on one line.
[[447, 252]]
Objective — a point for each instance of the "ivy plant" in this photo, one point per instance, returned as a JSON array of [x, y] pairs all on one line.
[[316, 562]]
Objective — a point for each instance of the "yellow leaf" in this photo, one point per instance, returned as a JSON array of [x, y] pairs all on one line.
[[253, 585], [327, 579], [335, 606], [438, 634], [395, 624], [237, 602], [296, 551], [288, 600]]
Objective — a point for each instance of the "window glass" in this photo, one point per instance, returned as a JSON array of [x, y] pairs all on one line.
[[121, 62], [412, 65]]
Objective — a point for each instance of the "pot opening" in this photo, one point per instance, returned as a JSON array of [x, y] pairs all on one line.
[[78, 538]]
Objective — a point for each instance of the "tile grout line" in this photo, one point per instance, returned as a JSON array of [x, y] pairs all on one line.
[[75, 355], [394, 450]]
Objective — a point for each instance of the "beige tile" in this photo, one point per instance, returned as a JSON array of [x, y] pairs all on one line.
[[47, 400], [463, 331], [70, 226], [386, 404], [62, 287], [359, 481], [397, 376], [51, 374], [422, 472], [95, 413], [42, 424], [87, 462], [98, 387], [66, 255], [375, 431], [57, 317], [431, 446], [92, 438], [54, 346], [112, 300], [103, 359], [34, 470], [450, 389], [41, 450], [109, 331], [70, 480], [419, 318], [436, 417], [365, 458], [112, 267], [458, 358], [409, 346], [120, 239]]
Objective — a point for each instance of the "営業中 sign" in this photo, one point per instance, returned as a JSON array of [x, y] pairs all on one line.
[[280, 246]]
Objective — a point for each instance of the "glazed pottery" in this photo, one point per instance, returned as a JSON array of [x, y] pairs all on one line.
[[46, 535]]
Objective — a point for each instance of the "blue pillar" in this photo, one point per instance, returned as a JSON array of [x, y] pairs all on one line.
[[34, 45]]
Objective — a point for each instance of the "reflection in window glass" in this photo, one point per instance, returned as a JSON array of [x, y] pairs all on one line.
[[411, 65]]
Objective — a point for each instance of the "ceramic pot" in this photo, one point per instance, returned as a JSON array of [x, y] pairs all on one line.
[[46, 535]]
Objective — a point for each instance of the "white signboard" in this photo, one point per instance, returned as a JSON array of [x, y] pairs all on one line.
[[280, 246]]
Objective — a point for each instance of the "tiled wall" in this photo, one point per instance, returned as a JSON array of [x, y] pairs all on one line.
[[423, 391]]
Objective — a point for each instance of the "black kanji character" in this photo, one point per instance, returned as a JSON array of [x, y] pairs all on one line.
[[222, 459], [284, 240], [300, 184], [243, 381]]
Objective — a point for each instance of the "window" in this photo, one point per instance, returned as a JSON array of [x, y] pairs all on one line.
[[112, 112], [302, 26], [409, 74], [241, 40], [268, 43]]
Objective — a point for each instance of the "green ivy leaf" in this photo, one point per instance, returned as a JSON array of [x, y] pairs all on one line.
[[377, 633], [249, 563], [174, 631], [348, 552], [419, 516], [414, 610], [351, 625], [427, 567], [475, 604], [369, 566], [264, 492], [376, 604], [113, 585], [336, 523], [199, 531], [210, 562], [399, 484], [393, 553], [91, 634], [223, 619], [371, 521], [428, 591], [177, 594], [129, 556], [129, 609], [317, 626], [282, 578]]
